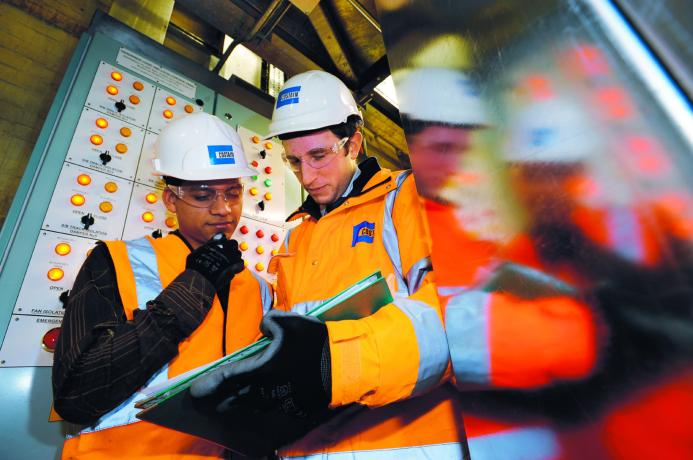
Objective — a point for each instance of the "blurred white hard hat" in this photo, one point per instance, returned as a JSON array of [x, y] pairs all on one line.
[[440, 95]]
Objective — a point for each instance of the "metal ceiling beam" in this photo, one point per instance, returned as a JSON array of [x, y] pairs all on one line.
[[333, 38]]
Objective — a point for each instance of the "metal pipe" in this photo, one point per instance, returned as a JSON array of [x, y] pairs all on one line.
[[368, 16]]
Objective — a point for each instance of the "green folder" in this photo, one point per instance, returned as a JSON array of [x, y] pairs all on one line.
[[171, 405]]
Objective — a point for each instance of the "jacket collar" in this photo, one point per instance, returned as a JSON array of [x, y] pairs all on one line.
[[371, 176]]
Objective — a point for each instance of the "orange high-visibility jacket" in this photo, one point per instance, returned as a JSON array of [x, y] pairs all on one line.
[[498, 340], [143, 268], [392, 355]]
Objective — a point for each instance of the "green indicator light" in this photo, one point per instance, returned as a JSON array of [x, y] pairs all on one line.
[[268, 182]]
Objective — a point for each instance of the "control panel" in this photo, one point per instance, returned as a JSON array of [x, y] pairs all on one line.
[[105, 190]]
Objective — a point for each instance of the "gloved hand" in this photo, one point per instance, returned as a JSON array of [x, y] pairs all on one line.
[[218, 260], [286, 388]]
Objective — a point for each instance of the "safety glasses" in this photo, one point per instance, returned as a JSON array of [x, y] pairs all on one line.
[[316, 158]]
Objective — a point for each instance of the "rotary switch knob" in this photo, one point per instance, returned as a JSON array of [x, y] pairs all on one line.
[[87, 221]]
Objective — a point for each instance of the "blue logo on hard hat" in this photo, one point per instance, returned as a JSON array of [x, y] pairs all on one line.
[[288, 96], [221, 155], [363, 233]]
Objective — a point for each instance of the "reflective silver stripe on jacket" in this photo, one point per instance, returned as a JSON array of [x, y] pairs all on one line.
[[265, 292], [418, 272], [447, 451], [535, 443], [625, 234], [467, 321], [148, 286], [390, 240], [431, 341]]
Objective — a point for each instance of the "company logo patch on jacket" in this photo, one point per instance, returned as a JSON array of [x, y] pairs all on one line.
[[288, 96], [221, 155], [363, 233]]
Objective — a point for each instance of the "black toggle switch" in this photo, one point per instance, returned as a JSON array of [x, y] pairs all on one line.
[[105, 157], [63, 297], [156, 234], [87, 221], [261, 205], [263, 154], [120, 105]]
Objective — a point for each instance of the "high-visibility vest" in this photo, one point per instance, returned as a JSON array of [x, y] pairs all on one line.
[[143, 268], [389, 357]]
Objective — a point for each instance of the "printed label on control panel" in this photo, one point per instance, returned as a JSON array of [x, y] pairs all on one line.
[[29, 341], [155, 72]]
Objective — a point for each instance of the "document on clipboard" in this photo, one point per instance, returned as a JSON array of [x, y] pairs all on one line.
[[171, 405]]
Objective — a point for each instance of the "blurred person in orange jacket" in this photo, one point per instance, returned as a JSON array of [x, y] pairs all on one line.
[[497, 339]]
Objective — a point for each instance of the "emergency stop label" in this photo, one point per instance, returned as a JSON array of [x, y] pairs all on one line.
[[363, 233], [288, 96], [221, 154]]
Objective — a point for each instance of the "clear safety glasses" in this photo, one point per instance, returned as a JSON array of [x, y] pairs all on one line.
[[203, 196], [317, 158]]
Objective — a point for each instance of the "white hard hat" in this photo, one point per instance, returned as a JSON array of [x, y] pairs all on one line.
[[200, 147], [311, 100], [440, 95], [553, 130]]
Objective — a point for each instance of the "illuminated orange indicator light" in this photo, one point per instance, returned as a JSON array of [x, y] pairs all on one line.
[[55, 274], [274, 252], [255, 139], [170, 100], [268, 196], [147, 216], [77, 199], [117, 76], [102, 123], [274, 237], [134, 99], [121, 148], [83, 179], [259, 266], [50, 339], [253, 191], [268, 145], [188, 108], [151, 198], [260, 250], [243, 246], [170, 222], [112, 90], [62, 249], [138, 85], [110, 187], [125, 131], [96, 139], [106, 206], [168, 113]]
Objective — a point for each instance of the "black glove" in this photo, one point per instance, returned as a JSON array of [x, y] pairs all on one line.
[[218, 260], [282, 392]]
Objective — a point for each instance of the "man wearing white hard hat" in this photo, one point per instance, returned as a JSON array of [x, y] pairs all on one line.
[[356, 220], [146, 310]]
